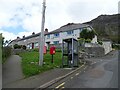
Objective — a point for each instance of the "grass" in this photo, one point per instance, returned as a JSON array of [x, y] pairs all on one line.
[[30, 61]]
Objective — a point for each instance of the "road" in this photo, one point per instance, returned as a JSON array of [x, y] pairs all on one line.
[[101, 73]]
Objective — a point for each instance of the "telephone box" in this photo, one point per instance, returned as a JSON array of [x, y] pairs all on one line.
[[52, 50]]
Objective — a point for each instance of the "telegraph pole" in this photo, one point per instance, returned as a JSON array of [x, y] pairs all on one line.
[[41, 43]]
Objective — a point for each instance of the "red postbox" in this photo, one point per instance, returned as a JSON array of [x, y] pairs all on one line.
[[52, 50]]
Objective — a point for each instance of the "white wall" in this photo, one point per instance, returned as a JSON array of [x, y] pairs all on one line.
[[94, 40], [107, 45], [62, 35]]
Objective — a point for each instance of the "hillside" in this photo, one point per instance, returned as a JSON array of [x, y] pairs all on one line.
[[107, 27]]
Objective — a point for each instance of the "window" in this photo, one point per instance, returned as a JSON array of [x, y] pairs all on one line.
[[56, 35], [56, 42], [48, 36], [70, 32], [36, 44]]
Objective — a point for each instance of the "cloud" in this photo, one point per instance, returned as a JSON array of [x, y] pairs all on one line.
[[15, 13], [8, 35]]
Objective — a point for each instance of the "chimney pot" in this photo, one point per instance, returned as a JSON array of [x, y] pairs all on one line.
[[33, 33], [24, 36]]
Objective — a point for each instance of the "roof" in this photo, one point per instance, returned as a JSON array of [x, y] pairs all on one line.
[[69, 27], [31, 36]]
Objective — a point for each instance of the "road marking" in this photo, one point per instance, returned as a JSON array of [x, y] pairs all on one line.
[[85, 67], [77, 74], [63, 87], [60, 85], [71, 77]]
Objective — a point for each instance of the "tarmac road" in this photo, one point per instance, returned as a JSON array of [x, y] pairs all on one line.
[[102, 73]]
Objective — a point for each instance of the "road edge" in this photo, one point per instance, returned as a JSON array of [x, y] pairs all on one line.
[[46, 85]]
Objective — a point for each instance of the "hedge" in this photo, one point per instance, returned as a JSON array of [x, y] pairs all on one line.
[[6, 52]]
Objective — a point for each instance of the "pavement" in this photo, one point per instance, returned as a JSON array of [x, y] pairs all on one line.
[[38, 80], [12, 70], [13, 78]]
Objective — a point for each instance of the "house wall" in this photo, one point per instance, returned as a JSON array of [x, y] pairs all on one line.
[[62, 35], [28, 42]]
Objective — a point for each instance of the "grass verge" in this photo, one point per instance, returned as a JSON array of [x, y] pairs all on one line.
[[30, 61]]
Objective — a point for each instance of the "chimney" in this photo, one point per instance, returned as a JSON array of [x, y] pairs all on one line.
[[33, 33], [18, 37], [46, 31], [24, 36]]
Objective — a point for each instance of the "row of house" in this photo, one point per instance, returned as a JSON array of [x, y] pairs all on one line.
[[55, 37]]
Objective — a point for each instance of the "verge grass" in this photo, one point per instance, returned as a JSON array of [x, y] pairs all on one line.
[[30, 61]]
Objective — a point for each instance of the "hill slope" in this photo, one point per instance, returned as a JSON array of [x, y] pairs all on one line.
[[107, 27]]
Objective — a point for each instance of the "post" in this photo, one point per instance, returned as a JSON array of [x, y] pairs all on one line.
[[52, 59], [41, 43]]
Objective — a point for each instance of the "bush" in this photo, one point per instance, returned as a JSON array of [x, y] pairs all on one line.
[[6, 52], [24, 47], [116, 46], [16, 46], [100, 42], [88, 40], [87, 34], [81, 41]]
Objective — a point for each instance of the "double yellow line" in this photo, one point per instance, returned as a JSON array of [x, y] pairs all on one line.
[[60, 85]]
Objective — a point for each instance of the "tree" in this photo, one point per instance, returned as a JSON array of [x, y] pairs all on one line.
[[87, 34]]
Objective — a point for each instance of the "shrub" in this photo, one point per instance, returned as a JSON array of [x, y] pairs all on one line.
[[116, 46], [87, 34], [16, 46], [100, 42], [88, 40], [6, 52], [24, 47]]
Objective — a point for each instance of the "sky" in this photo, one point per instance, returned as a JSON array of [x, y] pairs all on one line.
[[22, 17]]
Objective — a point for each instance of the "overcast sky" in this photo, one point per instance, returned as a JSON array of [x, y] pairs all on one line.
[[22, 17]]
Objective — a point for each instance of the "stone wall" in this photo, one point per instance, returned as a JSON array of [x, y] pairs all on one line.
[[94, 51]]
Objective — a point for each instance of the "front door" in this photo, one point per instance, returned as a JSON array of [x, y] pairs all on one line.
[[32, 45]]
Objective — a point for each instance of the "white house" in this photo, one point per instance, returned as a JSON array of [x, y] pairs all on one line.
[[71, 30]]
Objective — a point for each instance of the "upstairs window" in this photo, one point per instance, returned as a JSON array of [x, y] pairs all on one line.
[[48, 36], [70, 32], [56, 42], [56, 35]]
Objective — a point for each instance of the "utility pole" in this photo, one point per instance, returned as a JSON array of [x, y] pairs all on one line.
[[41, 43]]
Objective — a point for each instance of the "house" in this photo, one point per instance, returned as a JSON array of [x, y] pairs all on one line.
[[70, 30]]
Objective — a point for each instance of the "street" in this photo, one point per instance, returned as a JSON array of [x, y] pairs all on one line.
[[101, 73]]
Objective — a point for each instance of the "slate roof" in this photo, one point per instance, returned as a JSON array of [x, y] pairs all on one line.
[[31, 36], [68, 27]]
